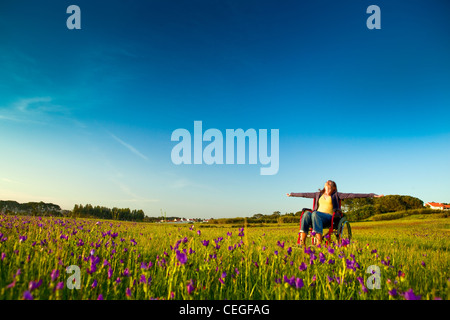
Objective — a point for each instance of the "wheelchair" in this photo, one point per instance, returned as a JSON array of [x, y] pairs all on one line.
[[339, 229]]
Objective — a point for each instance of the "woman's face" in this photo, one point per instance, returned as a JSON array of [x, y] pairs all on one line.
[[328, 188]]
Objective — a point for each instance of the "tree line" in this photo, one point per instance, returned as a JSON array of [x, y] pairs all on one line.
[[100, 212], [363, 208], [355, 209], [79, 211], [121, 214], [30, 208]]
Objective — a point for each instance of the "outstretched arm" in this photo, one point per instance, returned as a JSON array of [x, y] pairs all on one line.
[[302, 194], [358, 195]]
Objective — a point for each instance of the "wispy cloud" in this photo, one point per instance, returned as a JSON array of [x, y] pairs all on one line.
[[35, 105], [8, 118], [128, 146], [33, 110]]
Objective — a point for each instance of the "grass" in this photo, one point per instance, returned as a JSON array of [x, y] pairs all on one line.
[[124, 260]]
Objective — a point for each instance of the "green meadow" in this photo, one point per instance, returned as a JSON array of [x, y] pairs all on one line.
[[403, 259]]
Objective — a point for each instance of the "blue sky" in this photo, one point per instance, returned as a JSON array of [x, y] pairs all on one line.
[[86, 115]]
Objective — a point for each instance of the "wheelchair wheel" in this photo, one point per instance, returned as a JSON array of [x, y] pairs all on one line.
[[344, 230]]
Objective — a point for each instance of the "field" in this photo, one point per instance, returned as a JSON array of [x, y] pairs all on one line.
[[388, 260]]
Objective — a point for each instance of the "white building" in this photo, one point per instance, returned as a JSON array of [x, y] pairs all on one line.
[[437, 206]]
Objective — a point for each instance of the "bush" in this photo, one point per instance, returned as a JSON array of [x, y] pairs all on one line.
[[404, 213]]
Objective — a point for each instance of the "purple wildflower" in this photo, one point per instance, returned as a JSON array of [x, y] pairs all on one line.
[[182, 258], [54, 274], [409, 295], [299, 283], [27, 295], [34, 285], [293, 281], [190, 287], [351, 264], [12, 284], [59, 286], [205, 243], [361, 282], [302, 267], [321, 257], [290, 281], [392, 292]]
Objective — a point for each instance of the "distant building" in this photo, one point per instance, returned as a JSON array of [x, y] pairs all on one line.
[[437, 206]]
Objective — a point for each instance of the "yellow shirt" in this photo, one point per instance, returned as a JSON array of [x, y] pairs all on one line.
[[325, 205]]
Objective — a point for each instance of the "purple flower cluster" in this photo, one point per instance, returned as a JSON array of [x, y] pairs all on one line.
[[294, 282]]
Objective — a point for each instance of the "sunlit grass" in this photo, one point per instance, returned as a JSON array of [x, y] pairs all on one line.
[[124, 260]]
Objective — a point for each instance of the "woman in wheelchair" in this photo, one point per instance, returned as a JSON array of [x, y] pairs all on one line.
[[326, 202]]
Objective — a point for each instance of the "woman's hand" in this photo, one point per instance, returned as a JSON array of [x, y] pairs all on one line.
[[288, 194]]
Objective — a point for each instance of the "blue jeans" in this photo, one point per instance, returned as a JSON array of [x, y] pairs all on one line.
[[318, 220]]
